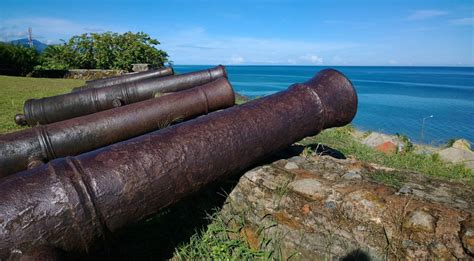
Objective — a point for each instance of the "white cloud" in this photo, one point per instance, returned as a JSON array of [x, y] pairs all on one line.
[[463, 21], [49, 29], [312, 59], [196, 46], [6, 34], [426, 14], [236, 60]]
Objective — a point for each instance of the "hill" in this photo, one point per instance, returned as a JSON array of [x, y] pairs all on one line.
[[39, 46]]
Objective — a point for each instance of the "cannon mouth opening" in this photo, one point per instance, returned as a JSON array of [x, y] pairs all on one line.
[[338, 96], [20, 120]]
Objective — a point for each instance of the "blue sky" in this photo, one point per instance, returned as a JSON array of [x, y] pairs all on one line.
[[265, 32]]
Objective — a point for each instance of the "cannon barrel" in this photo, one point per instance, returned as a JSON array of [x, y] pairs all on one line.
[[71, 201], [28, 148], [75, 104], [99, 83]]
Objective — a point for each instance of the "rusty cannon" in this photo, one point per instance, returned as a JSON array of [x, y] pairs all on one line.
[[134, 77], [32, 147], [75, 104], [70, 202]]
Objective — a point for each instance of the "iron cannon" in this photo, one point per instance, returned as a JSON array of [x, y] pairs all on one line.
[[99, 83], [70, 202], [32, 147], [88, 101]]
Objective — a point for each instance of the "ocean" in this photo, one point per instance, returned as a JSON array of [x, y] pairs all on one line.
[[391, 99]]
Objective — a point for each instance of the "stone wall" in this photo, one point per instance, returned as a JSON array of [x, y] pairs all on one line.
[[82, 74]]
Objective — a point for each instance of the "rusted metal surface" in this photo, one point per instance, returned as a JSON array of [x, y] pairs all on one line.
[[31, 147], [75, 104], [99, 83], [71, 201]]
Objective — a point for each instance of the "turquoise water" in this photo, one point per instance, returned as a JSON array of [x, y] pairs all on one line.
[[391, 99]]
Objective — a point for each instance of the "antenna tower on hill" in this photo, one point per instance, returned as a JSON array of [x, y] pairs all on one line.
[[30, 37]]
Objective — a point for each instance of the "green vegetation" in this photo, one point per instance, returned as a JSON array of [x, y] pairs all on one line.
[[450, 142], [408, 146], [87, 51], [393, 179], [220, 242], [342, 140], [17, 59], [240, 99], [104, 51], [14, 91]]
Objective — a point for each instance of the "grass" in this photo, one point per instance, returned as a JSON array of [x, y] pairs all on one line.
[[240, 99], [342, 140], [217, 243], [14, 91], [392, 179]]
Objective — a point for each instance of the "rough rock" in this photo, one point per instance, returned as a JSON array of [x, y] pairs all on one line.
[[467, 235], [352, 174], [383, 142], [462, 144], [387, 147], [291, 165], [458, 155], [91, 74], [141, 67], [424, 149], [420, 220], [332, 208]]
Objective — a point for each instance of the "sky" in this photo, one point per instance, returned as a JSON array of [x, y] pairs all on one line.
[[270, 32]]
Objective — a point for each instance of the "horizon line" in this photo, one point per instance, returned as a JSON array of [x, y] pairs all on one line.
[[321, 65]]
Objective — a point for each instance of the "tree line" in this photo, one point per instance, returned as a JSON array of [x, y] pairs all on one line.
[[86, 51]]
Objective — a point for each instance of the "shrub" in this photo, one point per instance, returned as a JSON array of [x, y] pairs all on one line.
[[104, 51], [17, 59], [53, 58]]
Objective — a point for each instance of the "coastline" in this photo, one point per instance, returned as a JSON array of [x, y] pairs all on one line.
[[391, 99]]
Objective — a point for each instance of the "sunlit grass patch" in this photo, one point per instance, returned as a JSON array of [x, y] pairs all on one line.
[[430, 164], [14, 91]]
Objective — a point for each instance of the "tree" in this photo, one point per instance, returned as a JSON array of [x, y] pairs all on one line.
[[54, 57], [17, 59], [105, 51]]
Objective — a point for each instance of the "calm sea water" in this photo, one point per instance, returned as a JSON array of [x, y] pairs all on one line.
[[391, 99]]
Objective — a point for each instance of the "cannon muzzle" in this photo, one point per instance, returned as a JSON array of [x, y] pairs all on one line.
[[31, 147], [134, 77], [70, 202], [88, 101]]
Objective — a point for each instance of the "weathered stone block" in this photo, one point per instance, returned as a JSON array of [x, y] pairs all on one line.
[[141, 67], [331, 209]]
